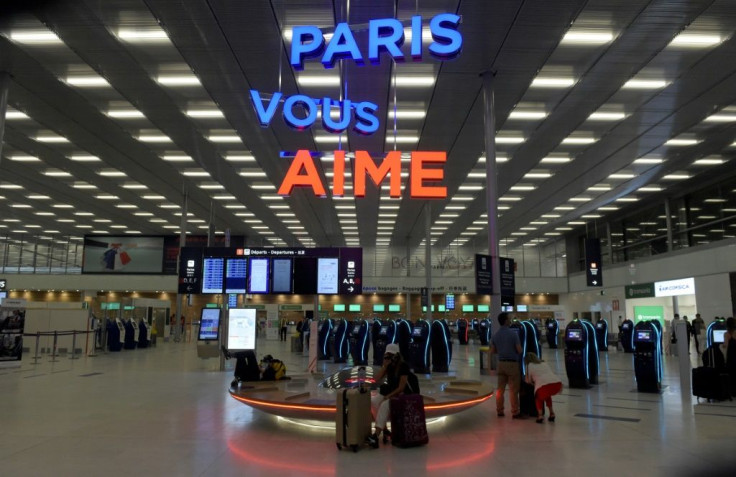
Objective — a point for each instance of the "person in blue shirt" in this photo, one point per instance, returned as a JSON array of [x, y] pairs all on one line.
[[506, 344]]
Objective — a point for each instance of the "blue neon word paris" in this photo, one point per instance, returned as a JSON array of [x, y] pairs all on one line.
[[386, 34]]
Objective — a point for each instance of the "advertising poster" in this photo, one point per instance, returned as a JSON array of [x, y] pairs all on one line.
[[12, 323], [122, 254]]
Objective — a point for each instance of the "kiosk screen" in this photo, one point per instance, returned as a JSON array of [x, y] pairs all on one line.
[[241, 332], [356, 329], [599, 325], [209, 327], [384, 331], [644, 335], [575, 335], [719, 336], [625, 326], [417, 331]]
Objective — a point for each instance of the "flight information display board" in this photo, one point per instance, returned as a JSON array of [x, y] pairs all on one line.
[[258, 277], [213, 275], [235, 273], [307, 271]]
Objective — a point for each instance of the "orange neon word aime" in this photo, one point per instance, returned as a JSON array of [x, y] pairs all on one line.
[[303, 173]]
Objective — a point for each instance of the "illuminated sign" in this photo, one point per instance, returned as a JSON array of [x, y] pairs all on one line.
[[683, 286], [384, 35]]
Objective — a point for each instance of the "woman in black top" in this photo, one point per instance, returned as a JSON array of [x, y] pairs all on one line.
[[396, 372]]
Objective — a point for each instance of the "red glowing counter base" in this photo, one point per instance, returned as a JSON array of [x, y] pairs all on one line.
[[302, 398]]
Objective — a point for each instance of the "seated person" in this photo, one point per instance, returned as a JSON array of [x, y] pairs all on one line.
[[396, 372]]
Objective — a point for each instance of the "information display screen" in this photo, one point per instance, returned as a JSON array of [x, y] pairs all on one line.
[[522, 308], [354, 308], [575, 335], [394, 308], [379, 308], [209, 324], [484, 308], [213, 275], [3, 295], [416, 331], [327, 269], [241, 332], [281, 276], [305, 278], [467, 308], [719, 336], [338, 307], [235, 271], [644, 335], [450, 301], [258, 277]]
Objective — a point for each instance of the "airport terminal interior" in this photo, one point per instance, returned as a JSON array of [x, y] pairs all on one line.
[[183, 180]]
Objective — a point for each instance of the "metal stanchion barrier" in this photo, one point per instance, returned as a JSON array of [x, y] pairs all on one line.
[[74, 345], [92, 352], [37, 357], [53, 351]]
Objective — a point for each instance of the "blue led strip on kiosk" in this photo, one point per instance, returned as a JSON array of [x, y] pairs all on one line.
[[709, 335], [329, 329], [426, 346], [588, 327], [447, 345], [658, 349], [343, 339], [363, 356]]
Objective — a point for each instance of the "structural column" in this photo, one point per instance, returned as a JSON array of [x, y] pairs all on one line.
[[182, 244], [670, 246], [428, 257], [489, 116], [4, 85]]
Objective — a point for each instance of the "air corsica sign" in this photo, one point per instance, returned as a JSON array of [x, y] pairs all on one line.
[[385, 37]]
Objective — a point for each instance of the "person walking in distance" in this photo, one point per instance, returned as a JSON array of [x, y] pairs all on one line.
[[698, 327], [505, 342]]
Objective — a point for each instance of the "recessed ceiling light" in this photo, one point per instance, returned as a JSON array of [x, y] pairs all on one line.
[[586, 37], [318, 80], [38, 197], [12, 114], [695, 40], [415, 80], [223, 138], [10, 186], [252, 174], [606, 116], [56, 173], [134, 186], [509, 139], [21, 206], [125, 114], [579, 199], [51, 138], [720, 118], [156, 35], [35, 37], [709, 162], [627, 199], [644, 84], [239, 158], [552, 82], [195, 173], [24, 158], [48, 214], [648, 160], [126, 206], [537, 175], [84, 158], [529, 115], [555, 160], [90, 81], [177, 80], [407, 114], [204, 113], [153, 138], [622, 176], [578, 140], [83, 185], [112, 173], [177, 158], [106, 197], [676, 177], [681, 142]]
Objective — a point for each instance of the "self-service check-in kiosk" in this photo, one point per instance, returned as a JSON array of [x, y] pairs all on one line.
[[484, 332], [359, 342], [657, 324], [375, 329], [419, 347], [532, 339], [462, 330], [441, 347], [577, 354], [385, 336], [339, 341], [601, 335], [129, 334], [143, 334], [403, 336], [593, 360], [714, 332], [647, 357], [553, 330], [324, 332], [113, 336], [519, 327], [626, 337]]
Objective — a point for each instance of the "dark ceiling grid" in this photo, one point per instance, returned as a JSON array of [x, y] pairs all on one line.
[[59, 107], [128, 78], [699, 88], [468, 144], [235, 59], [576, 107]]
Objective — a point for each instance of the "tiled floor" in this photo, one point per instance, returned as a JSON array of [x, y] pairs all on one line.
[[163, 411]]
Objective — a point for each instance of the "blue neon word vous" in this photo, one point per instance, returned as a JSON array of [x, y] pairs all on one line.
[[300, 112], [384, 35]]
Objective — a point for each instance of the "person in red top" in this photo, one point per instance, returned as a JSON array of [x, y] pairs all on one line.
[[546, 384]]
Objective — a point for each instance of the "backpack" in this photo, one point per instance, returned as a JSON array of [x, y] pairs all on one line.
[[412, 384], [274, 371]]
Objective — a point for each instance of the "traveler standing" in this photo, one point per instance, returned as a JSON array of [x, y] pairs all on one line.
[[698, 327], [505, 342]]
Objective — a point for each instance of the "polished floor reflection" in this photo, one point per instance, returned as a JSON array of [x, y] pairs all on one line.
[[163, 411]]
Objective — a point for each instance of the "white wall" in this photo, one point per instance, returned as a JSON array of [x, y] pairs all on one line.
[[49, 319]]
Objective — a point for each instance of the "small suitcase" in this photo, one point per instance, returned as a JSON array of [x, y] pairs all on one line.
[[527, 403], [353, 418], [408, 422]]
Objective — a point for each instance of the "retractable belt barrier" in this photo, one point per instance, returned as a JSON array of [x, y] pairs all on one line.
[[56, 335]]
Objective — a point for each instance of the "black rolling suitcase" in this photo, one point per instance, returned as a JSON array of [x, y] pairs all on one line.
[[527, 404], [711, 382]]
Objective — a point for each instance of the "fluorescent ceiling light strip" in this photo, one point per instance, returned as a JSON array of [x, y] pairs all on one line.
[[15, 115], [223, 138], [23, 158], [204, 113], [527, 115], [578, 140], [142, 36], [407, 114], [125, 114], [695, 40], [552, 82], [315, 80], [681, 142], [51, 139], [87, 81], [644, 84], [582, 37], [415, 80], [606, 116], [178, 80], [84, 158], [34, 37]]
